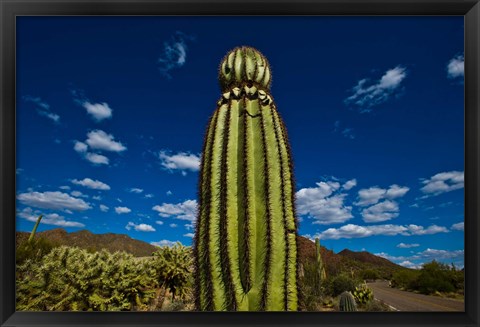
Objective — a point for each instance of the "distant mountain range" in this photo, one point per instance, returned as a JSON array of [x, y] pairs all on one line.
[[94, 242], [344, 261]]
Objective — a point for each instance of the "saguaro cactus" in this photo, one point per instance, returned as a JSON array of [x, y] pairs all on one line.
[[245, 240], [320, 273], [34, 230]]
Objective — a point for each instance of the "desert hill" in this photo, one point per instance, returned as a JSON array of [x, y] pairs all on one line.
[[344, 261]]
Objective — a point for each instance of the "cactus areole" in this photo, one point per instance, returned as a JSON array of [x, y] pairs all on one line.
[[245, 240]]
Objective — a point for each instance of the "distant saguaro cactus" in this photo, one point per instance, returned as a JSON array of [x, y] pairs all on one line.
[[320, 274], [245, 241], [34, 230]]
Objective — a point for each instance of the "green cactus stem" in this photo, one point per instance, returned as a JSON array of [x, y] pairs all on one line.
[[245, 241], [347, 302], [34, 230], [320, 273]]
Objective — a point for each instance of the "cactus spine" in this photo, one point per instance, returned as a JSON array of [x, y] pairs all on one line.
[[347, 302], [245, 240]]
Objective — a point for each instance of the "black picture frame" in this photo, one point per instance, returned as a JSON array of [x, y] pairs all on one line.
[[9, 9]]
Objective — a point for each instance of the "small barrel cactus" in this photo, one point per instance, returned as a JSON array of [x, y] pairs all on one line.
[[245, 239], [347, 302]]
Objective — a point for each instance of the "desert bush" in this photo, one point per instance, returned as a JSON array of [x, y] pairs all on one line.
[[339, 284], [431, 278], [34, 250], [376, 306], [369, 274]]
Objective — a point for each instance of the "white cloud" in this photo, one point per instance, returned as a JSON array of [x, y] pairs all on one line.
[[122, 210], [374, 194], [139, 227], [173, 225], [443, 182], [174, 53], [104, 208], [356, 231], [97, 197], [100, 140], [149, 196], [370, 196], [53, 200], [164, 243], [64, 187], [350, 184], [407, 246], [92, 184], [47, 219], [182, 161], [159, 222], [434, 254], [366, 94], [98, 111], [420, 230], [186, 210], [455, 67], [323, 203], [425, 256], [189, 235], [409, 264], [96, 158], [43, 108], [169, 192], [135, 190], [78, 194], [80, 147], [381, 211], [458, 226]]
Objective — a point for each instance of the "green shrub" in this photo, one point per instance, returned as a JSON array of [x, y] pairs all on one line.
[[34, 250], [339, 284], [433, 277], [369, 274]]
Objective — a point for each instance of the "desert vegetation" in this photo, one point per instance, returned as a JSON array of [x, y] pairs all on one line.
[[434, 278], [73, 279]]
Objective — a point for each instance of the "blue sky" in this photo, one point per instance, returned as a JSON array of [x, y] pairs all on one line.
[[111, 113]]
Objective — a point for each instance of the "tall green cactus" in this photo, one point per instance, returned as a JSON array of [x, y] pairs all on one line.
[[347, 302], [34, 230], [245, 241], [320, 274]]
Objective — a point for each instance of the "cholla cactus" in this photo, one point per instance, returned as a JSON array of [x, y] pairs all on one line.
[[347, 302], [363, 294], [245, 240]]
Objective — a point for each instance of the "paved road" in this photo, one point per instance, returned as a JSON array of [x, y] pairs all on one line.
[[408, 301]]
